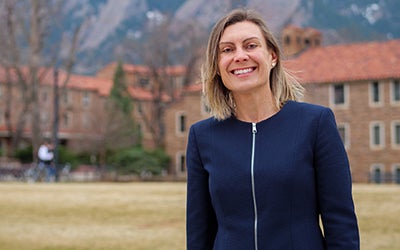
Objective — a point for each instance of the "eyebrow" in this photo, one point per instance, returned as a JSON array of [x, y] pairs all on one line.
[[245, 40]]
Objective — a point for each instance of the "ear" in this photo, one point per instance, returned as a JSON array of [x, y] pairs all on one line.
[[274, 57]]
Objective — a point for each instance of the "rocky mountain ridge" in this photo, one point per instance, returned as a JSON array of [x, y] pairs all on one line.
[[109, 22]]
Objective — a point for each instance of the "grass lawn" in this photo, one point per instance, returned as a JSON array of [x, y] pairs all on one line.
[[144, 216]]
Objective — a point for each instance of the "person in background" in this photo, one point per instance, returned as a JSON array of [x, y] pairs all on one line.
[[266, 171], [45, 156]]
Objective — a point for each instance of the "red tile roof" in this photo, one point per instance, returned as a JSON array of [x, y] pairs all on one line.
[[140, 69], [46, 77], [90, 83], [102, 86], [145, 95], [348, 62], [140, 93], [133, 68], [194, 88]]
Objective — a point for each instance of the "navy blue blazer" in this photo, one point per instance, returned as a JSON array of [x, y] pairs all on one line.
[[266, 185]]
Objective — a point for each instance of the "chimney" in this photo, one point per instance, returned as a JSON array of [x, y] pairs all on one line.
[[296, 39]]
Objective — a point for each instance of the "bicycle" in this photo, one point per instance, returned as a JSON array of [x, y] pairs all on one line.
[[37, 172]]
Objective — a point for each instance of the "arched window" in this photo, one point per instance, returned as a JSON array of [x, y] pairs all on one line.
[[180, 162], [396, 173], [377, 172]]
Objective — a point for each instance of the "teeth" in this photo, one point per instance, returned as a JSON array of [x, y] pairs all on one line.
[[242, 71]]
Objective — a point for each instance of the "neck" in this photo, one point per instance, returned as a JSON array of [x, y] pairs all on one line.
[[255, 107]]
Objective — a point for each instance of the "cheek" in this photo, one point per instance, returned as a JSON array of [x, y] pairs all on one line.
[[225, 59], [222, 64], [225, 79], [223, 73], [223, 67]]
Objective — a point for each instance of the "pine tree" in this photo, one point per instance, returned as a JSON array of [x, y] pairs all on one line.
[[121, 129], [119, 93]]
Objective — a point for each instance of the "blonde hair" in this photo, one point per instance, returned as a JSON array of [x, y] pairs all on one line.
[[284, 86]]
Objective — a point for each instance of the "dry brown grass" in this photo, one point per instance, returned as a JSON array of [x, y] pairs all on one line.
[[378, 211], [143, 216], [92, 216]]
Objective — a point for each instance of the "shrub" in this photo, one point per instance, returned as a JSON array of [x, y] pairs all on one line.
[[24, 155], [67, 156], [139, 161]]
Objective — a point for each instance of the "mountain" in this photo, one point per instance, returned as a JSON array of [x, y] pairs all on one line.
[[108, 23]]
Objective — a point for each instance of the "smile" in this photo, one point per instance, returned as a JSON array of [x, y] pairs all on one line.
[[242, 71]]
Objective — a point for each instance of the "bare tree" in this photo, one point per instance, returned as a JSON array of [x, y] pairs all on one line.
[[26, 27], [161, 49]]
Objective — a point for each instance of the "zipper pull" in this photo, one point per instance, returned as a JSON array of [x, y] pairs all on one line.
[[254, 130]]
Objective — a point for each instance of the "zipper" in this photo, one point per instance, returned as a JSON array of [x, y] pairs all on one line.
[[254, 131]]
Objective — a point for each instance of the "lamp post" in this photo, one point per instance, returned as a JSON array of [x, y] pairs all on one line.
[[56, 122]]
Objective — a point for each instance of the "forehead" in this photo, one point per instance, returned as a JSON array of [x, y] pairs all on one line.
[[241, 31]]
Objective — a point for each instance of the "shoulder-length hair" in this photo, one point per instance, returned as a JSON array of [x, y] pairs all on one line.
[[283, 85]]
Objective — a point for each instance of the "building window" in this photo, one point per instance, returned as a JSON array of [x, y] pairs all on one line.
[[66, 119], [377, 135], [395, 92], [44, 118], [375, 94], [138, 133], [143, 82], [181, 162], [66, 97], [338, 91], [396, 134], [86, 98], [139, 129], [181, 123], [85, 121], [344, 134], [44, 96], [339, 95], [139, 107], [142, 131], [377, 173], [396, 173]]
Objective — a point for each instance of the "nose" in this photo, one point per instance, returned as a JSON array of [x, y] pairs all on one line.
[[241, 55]]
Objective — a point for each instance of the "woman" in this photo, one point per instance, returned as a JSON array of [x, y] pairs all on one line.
[[266, 168]]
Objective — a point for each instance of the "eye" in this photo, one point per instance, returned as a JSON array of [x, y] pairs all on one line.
[[251, 46], [226, 49]]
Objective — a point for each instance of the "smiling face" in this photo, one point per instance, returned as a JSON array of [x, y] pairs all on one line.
[[244, 60]]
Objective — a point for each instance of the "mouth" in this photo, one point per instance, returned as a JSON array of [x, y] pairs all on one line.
[[243, 71]]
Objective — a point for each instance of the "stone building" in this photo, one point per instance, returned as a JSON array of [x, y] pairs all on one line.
[[360, 82], [80, 105], [187, 110]]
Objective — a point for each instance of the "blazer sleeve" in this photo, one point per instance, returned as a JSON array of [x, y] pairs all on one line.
[[201, 224], [334, 187]]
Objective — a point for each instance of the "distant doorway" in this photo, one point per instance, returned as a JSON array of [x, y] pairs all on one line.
[[397, 175], [377, 174]]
